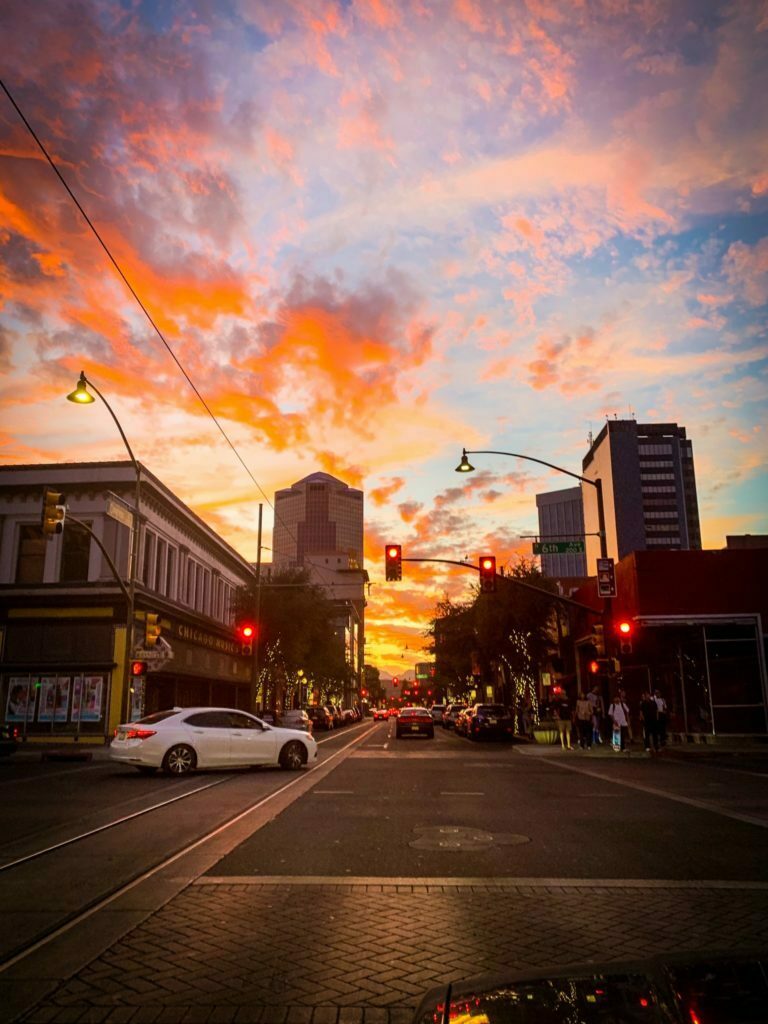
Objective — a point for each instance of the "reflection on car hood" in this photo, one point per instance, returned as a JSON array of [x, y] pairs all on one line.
[[717, 989]]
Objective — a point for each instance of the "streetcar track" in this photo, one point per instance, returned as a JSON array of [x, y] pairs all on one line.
[[99, 902], [117, 821]]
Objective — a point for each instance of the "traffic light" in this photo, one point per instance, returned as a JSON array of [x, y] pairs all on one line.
[[247, 633], [152, 629], [393, 562], [487, 574], [604, 667], [138, 668], [395, 681], [594, 667], [625, 629], [53, 513], [598, 632]]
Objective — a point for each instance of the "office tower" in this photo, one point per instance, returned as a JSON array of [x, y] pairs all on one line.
[[318, 515], [561, 518], [648, 486]]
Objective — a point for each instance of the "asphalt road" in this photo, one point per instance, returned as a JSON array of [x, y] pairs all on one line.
[[393, 866], [547, 816]]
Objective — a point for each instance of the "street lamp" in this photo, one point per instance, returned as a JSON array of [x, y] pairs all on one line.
[[81, 396], [465, 467]]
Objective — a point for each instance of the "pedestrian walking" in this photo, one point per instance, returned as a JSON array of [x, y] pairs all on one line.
[[618, 713], [584, 722], [598, 711], [649, 715], [564, 719], [661, 719]]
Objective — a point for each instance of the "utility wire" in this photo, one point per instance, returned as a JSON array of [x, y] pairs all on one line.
[[143, 308]]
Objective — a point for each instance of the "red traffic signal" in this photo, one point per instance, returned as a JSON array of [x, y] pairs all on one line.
[[138, 668], [247, 633], [393, 562], [487, 574], [625, 629], [395, 681]]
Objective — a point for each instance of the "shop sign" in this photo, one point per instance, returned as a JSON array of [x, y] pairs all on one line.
[[210, 640]]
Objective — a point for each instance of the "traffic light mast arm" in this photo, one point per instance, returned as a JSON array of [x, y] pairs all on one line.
[[511, 579], [110, 563]]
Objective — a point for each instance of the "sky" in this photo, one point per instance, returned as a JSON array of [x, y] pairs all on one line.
[[375, 232]]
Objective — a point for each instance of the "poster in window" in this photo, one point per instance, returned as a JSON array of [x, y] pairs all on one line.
[[21, 699], [54, 699], [86, 698]]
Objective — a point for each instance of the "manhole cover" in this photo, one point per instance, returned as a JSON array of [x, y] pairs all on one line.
[[462, 837]]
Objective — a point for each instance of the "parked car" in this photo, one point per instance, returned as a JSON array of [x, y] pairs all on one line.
[[379, 714], [338, 718], [414, 722], [451, 713], [489, 721], [437, 712], [320, 716], [182, 739], [349, 716], [461, 721], [8, 737], [295, 718]]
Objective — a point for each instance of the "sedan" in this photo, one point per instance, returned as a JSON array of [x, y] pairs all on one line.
[[379, 714], [489, 721], [182, 739], [414, 722]]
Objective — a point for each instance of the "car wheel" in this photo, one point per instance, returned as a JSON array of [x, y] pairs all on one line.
[[145, 769], [293, 756], [179, 760]]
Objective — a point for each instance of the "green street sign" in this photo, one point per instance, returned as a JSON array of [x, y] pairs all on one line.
[[558, 547]]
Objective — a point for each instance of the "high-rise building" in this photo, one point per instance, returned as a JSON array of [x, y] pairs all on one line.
[[318, 515], [648, 486], [561, 518], [319, 527]]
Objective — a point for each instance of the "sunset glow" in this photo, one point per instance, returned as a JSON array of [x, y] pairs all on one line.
[[376, 232]]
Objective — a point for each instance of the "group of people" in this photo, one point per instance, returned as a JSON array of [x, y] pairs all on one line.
[[593, 724]]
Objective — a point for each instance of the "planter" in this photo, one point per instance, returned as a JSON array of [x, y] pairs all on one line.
[[546, 733]]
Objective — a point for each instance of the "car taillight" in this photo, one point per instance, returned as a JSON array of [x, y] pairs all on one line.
[[140, 734]]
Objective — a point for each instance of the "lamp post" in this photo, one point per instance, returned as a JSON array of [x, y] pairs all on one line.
[[465, 467], [81, 396]]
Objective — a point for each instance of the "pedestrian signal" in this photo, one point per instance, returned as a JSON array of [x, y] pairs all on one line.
[[138, 668], [393, 562]]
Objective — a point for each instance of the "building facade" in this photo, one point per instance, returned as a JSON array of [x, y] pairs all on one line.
[[65, 670], [648, 486], [319, 526], [561, 517]]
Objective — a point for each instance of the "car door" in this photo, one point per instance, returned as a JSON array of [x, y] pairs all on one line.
[[209, 735], [250, 741]]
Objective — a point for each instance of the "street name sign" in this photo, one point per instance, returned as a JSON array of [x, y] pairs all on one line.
[[558, 547], [117, 510]]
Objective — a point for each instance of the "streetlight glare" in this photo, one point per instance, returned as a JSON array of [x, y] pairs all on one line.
[[81, 395]]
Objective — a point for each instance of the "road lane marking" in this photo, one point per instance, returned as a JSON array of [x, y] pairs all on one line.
[[701, 805], [333, 792], [449, 792]]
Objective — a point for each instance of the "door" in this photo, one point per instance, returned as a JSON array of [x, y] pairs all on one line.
[[250, 741], [209, 735]]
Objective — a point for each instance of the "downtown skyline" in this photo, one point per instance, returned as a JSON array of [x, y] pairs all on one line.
[[375, 233]]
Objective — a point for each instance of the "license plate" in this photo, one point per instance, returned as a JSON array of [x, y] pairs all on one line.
[[415, 728], [492, 721], [121, 734]]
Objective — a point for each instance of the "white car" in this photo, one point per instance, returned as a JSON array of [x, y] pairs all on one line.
[[182, 739]]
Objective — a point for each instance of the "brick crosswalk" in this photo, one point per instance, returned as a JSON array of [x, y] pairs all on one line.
[[365, 952]]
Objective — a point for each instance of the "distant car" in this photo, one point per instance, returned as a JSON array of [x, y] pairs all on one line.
[[8, 737], [295, 718], [461, 721], [182, 739], [393, 712], [437, 712], [320, 717], [349, 715], [379, 714], [414, 722], [338, 718], [451, 713], [489, 721]]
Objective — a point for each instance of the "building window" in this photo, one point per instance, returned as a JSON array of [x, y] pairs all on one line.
[[170, 573], [661, 515], [162, 550], [656, 476], [30, 563], [654, 449], [149, 555], [75, 556]]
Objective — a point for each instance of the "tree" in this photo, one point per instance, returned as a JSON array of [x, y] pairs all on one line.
[[453, 640], [297, 629]]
